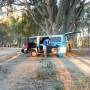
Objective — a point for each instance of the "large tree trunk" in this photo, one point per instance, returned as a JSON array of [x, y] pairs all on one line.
[[72, 11], [52, 12]]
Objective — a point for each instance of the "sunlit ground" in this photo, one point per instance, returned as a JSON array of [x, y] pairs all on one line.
[[23, 71]]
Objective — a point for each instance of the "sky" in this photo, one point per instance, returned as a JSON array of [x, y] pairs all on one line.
[[58, 1], [87, 1]]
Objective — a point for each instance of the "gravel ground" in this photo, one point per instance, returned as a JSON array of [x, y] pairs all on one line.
[[7, 53], [29, 74], [52, 73]]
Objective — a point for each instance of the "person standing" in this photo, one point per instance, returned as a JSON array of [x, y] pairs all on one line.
[[68, 46], [45, 43]]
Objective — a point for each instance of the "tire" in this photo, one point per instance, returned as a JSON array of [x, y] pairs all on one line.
[[22, 50], [33, 53]]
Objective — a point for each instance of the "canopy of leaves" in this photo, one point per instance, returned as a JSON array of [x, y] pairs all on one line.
[[45, 16]]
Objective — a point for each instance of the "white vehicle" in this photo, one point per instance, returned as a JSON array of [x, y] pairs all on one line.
[[35, 45]]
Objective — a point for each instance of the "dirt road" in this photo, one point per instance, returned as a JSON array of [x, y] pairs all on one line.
[[71, 72]]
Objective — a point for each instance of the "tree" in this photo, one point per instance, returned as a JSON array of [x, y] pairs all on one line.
[[50, 18], [4, 34], [45, 9], [72, 12]]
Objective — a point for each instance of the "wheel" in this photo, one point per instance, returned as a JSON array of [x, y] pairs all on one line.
[[33, 53]]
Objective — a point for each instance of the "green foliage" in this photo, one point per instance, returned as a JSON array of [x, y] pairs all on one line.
[[4, 32]]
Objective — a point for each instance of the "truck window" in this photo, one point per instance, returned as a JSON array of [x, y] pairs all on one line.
[[55, 39], [32, 42]]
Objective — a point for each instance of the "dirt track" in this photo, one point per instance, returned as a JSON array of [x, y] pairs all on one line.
[[24, 73]]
